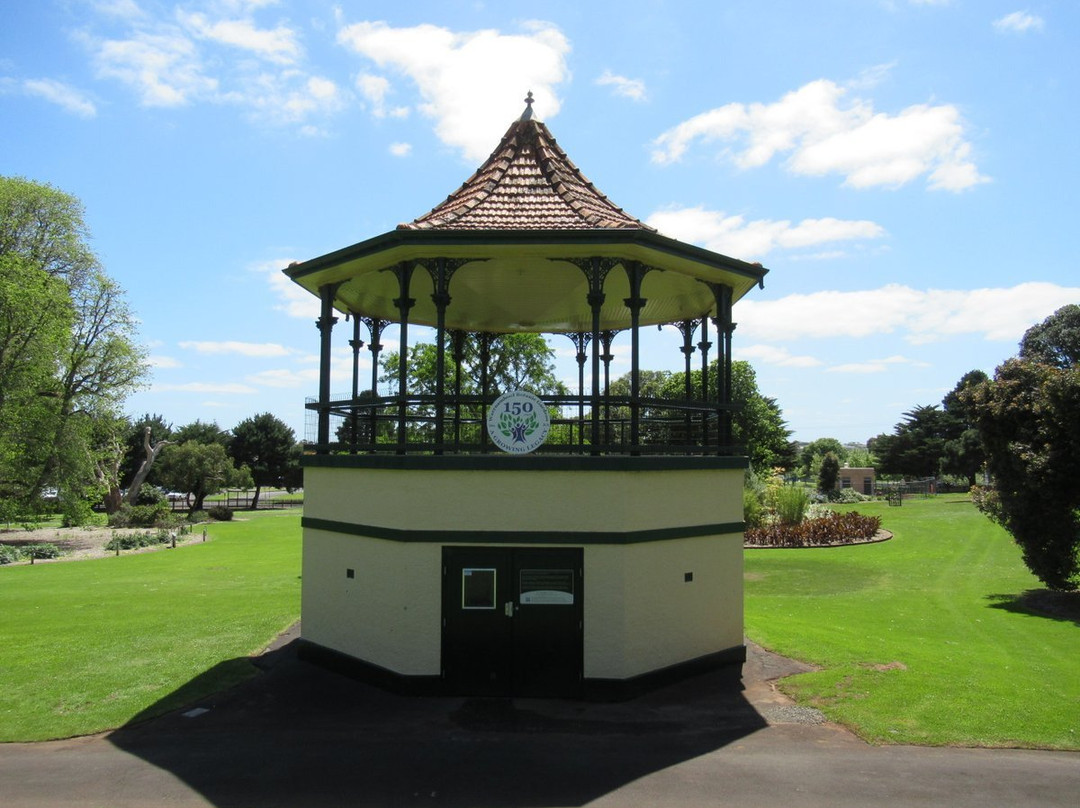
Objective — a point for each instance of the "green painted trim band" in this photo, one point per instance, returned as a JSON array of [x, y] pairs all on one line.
[[426, 240], [521, 536], [504, 462]]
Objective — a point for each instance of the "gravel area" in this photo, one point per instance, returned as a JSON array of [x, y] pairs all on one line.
[[79, 543]]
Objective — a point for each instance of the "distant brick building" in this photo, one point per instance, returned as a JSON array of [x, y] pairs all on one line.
[[861, 479]]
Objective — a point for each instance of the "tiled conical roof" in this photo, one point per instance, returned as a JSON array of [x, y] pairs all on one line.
[[528, 183]]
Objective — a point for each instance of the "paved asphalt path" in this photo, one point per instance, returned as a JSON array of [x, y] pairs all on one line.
[[298, 735]]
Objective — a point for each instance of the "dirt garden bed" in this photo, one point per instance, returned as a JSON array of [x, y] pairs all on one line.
[[80, 543]]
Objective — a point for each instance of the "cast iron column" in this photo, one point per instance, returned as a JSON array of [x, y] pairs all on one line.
[[403, 303], [354, 421], [634, 274], [485, 340], [441, 299], [375, 327], [457, 350], [724, 329], [607, 337], [688, 327], [704, 345], [325, 324], [580, 340]]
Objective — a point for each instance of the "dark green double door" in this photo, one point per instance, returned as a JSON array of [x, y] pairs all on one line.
[[512, 621]]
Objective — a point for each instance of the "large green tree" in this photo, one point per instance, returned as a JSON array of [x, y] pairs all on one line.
[[757, 421], [934, 440], [811, 455], [962, 452], [515, 362], [47, 227], [1028, 418], [35, 325], [69, 355], [199, 470], [917, 445], [202, 432], [266, 445], [1056, 340]]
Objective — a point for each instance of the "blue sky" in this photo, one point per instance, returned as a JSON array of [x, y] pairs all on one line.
[[906, 169]]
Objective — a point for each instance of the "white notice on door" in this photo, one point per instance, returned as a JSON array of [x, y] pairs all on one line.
[[546, 588]]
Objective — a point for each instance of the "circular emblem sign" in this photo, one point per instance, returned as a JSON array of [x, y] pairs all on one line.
[[518, 422]]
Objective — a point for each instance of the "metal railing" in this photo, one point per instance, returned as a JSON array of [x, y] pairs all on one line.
[[417, 424]]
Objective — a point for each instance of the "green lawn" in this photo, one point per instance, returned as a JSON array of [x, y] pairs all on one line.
[[86, 646], [919, 638]]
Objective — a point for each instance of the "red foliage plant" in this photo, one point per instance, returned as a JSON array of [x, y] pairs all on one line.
[[823, 531]]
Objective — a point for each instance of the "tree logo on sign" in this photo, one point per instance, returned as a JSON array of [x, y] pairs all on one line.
[[518, 422]]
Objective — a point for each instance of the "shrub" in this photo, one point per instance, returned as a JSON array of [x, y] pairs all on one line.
[[151, 495], [9, 511], [147, 538], [829, 473], [9, 554], [76, 512], [141, 515], [987, 501], [789, 502], [220, 513], [833, 528], [849, 496], [35, 551], [753, 509], [197, 516]]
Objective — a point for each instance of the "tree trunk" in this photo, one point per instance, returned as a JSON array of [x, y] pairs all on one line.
[[255, 499], [140, 476]]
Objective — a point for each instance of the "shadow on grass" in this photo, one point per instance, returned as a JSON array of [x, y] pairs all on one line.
[[1063, 606], [299, 734]]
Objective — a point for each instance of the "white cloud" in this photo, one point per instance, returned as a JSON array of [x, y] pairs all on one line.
[[292, 298], [191, 57], [290, 97], [127, 9], [875, 365], [1019, 22], [277, 45], [633, 89], [163, 68], [158, 361], [400, 149], [871, 76], [62, 95], [374, 90], [920, 316], [823, 132], [735, 236], [233, 388], [254, 349], [773, 355], [471, 83], [284, 378]]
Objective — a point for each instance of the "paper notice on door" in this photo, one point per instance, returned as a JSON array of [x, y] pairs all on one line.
[[546, 588]]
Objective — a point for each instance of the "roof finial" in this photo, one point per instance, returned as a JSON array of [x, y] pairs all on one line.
[[528, 113]]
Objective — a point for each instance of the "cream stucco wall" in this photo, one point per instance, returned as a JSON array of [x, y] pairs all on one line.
[[389, 614], [640, 614], [571, 501]]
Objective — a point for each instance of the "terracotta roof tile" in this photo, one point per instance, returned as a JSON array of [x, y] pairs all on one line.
[[528, 183]]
